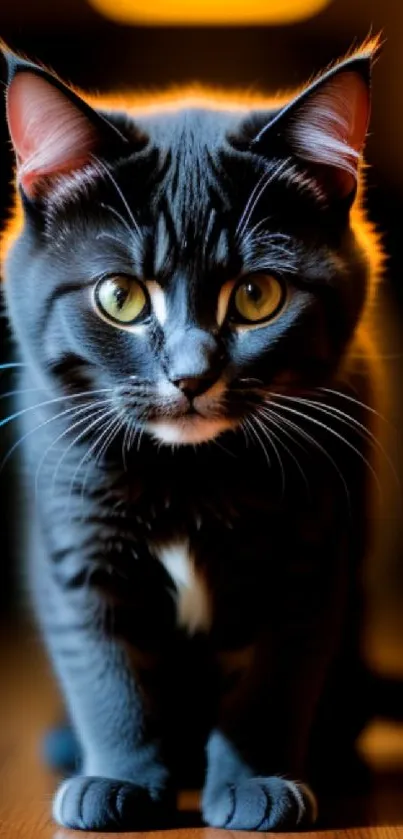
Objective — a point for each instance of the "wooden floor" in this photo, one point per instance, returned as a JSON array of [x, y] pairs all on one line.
[[29, 703]]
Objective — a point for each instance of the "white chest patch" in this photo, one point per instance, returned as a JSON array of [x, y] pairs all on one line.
[[192, 596]]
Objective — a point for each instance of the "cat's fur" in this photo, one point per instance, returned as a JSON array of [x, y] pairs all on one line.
[[206, 594]]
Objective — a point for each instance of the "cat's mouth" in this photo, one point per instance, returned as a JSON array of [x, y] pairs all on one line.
[[190, 428], [196, 422], [173, 419]]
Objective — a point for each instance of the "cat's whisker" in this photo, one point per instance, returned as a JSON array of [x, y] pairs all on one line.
[[351, 422], [338, 436], [133, 432], [242, 224], [335, 413], [355, 401], [91, 408], [102, 414], [31, 431], [105, 437], [55, 401], [269, 242], [92, 422], [215, 442], [18, 391], [116, 186], [251, 233], [10, 365], [116, 428], [273, 419], [121, 219], [358, 427], [265, 180], [279, 240], [104, 422], [245, 431], [302, 432], [268, 263], [104, 234], [271, 437], [255, 434], [271, 413]]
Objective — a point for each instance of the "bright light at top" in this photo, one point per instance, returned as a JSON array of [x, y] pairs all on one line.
[[208, 12]]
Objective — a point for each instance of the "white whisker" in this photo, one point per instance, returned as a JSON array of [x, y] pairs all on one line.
[[274, 418], [356, 401], [311, 441], [51, 419], [270, 437], [17, 392], [254, 432], [252, 231], [116, 186], [54, 401], [121, 219], [338, 436], [106, 436], [256, 194], [10, 365], [101, 416], [352, 422], [90, 408]]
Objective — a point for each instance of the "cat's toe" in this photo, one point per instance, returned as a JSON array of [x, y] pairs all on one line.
[[260, 804], [90, 803]]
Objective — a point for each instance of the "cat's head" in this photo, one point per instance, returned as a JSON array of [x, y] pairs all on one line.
[[193, 258]]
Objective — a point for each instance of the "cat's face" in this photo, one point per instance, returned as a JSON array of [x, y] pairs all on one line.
[[192, 261]]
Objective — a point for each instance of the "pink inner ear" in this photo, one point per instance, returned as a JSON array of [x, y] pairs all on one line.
[[330, 127], [49, 133]]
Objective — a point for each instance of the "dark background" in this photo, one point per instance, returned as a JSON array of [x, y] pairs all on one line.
[[99, 55]]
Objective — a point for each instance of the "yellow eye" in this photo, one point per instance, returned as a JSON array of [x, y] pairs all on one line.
[[121, 298], [258, 298]]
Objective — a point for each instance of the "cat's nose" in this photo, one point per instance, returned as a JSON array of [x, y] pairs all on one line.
[[195, 361], [193, 386]]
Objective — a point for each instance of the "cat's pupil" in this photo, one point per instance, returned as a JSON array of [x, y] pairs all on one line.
[[121, 295], [254, 292]]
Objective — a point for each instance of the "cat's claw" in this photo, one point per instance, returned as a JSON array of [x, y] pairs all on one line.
[[104, 804], [260, 804]]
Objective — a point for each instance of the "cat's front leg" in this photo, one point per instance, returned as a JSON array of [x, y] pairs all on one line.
[[258, 752], [114, 696], [254, 754]]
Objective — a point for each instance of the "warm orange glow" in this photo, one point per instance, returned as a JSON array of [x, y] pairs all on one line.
[[218, 12]]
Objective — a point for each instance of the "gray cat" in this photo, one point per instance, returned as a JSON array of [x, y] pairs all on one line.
[[188, 289]]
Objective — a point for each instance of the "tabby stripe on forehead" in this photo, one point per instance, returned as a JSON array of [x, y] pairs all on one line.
[[166, 245], [162, 246]]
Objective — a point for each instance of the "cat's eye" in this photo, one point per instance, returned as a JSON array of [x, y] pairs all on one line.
[[257, 298], [121, 299]]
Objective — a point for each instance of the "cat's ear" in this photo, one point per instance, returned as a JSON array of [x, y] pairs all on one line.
[[52, 129], [326, 125]]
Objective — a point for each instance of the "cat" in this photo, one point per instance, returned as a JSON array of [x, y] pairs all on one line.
[[190, 281]]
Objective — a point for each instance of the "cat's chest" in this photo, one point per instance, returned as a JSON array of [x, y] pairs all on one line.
[[211, 544], [199, 551], [191, 593]]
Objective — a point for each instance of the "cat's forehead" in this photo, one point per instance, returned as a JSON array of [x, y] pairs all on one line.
[[190, 126], [192, 195]]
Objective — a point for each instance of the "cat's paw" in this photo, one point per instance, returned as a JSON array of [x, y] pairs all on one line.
[[260, 804], [90, 803]]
